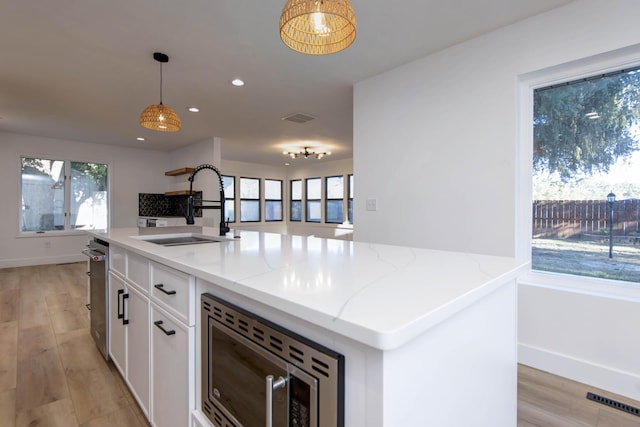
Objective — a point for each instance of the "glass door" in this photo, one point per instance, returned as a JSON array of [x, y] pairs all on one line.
[[238, 371]]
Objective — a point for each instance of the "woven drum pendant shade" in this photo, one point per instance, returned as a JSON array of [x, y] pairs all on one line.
[[158, 116], [161, 118], [318, 27]]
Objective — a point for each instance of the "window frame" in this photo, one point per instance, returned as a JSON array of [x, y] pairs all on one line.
[[527, 83], [292, 200], [251, 199], [67, 190], [307, 199], [333, 199], [231, 199], [350, 198], [280, 200]]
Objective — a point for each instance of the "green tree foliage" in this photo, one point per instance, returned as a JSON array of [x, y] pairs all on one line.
[[98, 172], [584, 127], [36, 166]]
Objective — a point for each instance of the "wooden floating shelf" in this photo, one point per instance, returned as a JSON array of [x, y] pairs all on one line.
[[181, 171], [179, 193]]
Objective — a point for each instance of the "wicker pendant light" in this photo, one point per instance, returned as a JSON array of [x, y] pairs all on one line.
[[318, 27], [158, 116]]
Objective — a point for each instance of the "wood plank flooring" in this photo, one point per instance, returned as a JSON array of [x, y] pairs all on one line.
[[546, 400], [52, 375]]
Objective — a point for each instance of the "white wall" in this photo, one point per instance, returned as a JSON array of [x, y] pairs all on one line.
[[435, 140], [436, 144], [203, 152], [190, 156], [131, 171], [582, 334]]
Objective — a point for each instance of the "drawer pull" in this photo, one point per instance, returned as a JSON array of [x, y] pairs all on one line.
[[160, 287], [120, 314], [158, 323]]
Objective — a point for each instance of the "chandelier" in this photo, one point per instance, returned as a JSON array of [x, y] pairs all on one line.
[[306, 154], [158, 116], [318, 27]]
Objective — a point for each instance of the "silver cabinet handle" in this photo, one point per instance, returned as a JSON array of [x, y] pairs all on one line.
[[270, 386]]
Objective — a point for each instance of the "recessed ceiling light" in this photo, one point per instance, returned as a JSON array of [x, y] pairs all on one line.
[[237, 82], [194, 109], [140, 138]]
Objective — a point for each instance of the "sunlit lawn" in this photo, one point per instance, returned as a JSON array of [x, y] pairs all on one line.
[[587, 259]]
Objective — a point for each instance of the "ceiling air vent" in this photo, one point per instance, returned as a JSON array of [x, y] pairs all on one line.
[[298, 117]]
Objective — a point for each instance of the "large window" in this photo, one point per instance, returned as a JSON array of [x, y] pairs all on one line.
[[249, 199], [229, 185], [272, 200], [586, 148], [334, 189], [296, 201], [63, 195], [314, 199]]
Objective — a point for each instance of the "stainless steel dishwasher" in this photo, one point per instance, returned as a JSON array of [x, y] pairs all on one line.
[[97, 250]]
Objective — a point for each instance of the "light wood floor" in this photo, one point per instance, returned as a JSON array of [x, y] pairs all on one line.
[[546, 400], [51, 373]]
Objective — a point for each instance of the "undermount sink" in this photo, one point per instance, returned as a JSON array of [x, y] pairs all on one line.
[[180, 239]]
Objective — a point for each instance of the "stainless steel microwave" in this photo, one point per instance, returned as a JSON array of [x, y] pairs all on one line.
[[256, 373]]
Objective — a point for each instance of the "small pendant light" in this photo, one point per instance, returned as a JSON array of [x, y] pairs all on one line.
[[159, 117], [318, 27]]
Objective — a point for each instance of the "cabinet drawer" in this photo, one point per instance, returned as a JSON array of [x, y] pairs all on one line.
[[174, 291], [117, 260], [138, 271]]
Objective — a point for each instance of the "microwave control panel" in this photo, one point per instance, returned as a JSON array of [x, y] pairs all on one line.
[[299, 402]]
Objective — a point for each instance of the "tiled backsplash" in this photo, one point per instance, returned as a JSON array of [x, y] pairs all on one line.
[[159, 205]]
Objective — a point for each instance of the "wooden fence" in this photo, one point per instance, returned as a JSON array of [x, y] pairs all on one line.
[[574, 218]]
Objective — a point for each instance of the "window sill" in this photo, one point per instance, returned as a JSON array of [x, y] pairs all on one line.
[[628, 291], [53, 233]]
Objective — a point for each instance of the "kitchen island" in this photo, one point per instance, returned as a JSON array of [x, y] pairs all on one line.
[[429, 337]]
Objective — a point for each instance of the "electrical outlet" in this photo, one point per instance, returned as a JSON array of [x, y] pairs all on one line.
[[47, 244], [371, 204]]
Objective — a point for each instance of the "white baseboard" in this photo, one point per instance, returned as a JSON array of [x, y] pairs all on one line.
[[603, 377], [27, 262]]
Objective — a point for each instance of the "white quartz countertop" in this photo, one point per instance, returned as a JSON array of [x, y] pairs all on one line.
[[380, 295]]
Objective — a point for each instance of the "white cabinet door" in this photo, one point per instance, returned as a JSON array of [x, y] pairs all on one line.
[[117, 331], [137, 323], [172, 379]]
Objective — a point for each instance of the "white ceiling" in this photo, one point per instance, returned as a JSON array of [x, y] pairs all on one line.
[[83, 70]]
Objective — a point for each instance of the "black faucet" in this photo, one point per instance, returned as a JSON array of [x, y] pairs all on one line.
[[224, 226]]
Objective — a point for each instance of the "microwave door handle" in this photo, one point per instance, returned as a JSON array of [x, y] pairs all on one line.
[[270, 386]]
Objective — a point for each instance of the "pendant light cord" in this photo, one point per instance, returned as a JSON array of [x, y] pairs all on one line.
[[161, 83]]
